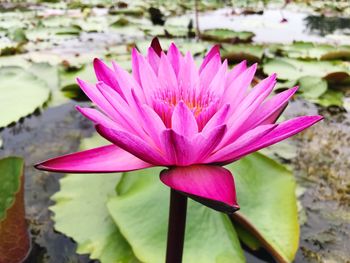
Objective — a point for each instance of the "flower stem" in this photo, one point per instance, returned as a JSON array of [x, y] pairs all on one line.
[[176, 227]]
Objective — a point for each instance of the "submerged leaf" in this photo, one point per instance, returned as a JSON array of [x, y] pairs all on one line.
[[14, 237]]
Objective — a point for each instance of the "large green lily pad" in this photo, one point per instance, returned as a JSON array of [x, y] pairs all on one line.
[[239, 52], [80, 212], [21, 93], [266, 195], [141, 212]]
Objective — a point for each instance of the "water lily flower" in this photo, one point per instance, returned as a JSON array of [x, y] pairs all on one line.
[[191, 120]]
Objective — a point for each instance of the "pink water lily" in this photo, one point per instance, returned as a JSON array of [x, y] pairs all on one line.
[[191, 120]]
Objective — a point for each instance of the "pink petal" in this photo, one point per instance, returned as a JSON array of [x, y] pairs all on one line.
[[240, 145], [132, 144], [105, 74], [210, 185], [282, 131], [213, 52], [98, 117], [270, 110], [178, 149], [208, 73], [235, 72], [237, 90], [166, 74], [217, 85], [204, 143], [153, 59], [237, 122], [105, 159], [183, 121], [188, 77], [135, 65], [149, 80], [218, 118], [174, 57], [96, 97]]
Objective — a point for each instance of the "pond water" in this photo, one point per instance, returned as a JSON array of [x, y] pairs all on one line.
[[322, 164]]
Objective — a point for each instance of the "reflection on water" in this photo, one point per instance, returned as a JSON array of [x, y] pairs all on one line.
[[323, 25], [267, 27]]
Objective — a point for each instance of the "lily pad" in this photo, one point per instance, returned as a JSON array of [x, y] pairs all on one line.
[[80, 212], [330, 98], [14, 238], [141, 212], [239, 52], [266, 195], [312, 87], [227, 35], [291, 69], [21, 93]]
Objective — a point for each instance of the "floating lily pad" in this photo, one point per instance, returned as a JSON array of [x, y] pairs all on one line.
[[227, 35], [81, 213], [330, 98], [312, 87], [291, 69], [21, 93], [266, 195], [237, 53], [141, 212]]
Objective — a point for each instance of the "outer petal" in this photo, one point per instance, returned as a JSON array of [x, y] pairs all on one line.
[[210, 185], [282, 131], [105, 159], [105, 74], [132, 144], [214, 51]]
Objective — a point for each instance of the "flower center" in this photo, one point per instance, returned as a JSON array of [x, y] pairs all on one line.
[[202, 105]]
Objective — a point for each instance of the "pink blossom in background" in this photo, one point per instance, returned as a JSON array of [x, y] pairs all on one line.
[[191, 120]]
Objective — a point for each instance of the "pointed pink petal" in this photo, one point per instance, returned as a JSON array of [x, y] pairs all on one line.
[[204, 143], [282, 131], [270, 110], [166, 74], [218, 118], [208, 73], [217, 85], [213, 52], [153, 59], [135, 65], [105, 159], [127, 83], [237, 122], [96, 97], [183, 121], [210, 185], [149, 80], [240, 145], [188, 77], [237, 90], [98, 117], [155, 45], [132, 144], [127, 115], [105, 74], [174, 57], [235, 72], [178, 149]]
